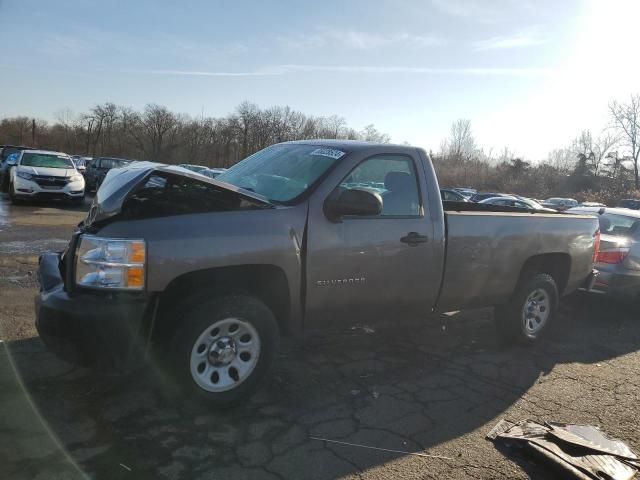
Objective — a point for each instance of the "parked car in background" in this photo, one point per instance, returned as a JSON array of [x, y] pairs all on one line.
[[452, 195], [517, 202], [80, 162], [193, 168], [5, 172], [98, 169], [213, 172], [210, 272], [618, 260], [560, 204], [632, 203], [206, 171], [467, 192], [477, 197], [45, 175], [592, 204], [5, 152]]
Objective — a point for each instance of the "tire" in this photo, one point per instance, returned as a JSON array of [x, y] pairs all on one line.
[[530, 311], [226, 368], [77, 201], [12, 195]]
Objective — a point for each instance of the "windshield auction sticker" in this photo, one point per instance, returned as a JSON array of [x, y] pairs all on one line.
[[328, 152]]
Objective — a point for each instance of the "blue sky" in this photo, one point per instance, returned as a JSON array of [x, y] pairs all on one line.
[[529, 74]]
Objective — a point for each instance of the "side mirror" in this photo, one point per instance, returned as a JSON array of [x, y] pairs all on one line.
[[12, 159], [353, 202]]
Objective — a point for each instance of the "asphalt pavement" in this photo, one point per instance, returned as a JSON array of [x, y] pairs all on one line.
[[405, 399]]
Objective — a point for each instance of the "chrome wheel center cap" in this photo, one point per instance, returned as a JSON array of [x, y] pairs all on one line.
[[222, 351]]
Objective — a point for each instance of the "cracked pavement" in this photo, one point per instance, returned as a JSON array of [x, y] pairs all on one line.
[[434, 387]]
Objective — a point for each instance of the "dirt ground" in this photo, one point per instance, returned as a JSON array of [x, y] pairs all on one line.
[[434, 387]]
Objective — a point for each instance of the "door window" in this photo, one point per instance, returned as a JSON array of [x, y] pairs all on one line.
[[391, 176], [448, 196]]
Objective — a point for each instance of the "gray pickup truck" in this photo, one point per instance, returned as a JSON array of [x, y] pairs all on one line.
[[209, 273]]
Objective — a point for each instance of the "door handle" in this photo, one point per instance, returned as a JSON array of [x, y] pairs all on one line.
[[414, 238]]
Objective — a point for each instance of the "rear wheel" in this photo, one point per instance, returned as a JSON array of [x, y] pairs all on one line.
[[530, 311], [223, 348]]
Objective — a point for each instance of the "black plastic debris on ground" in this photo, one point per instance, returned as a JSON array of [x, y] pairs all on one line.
[[580, 450]]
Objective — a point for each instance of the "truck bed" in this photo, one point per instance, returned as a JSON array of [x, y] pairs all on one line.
[[487, 248]]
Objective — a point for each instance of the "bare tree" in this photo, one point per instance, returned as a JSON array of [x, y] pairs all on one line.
[[371, 134], [602, 148], [625, 118], [460, 145], [591, 152], [158, 134], [154, 131], [16, 130], [562, 159]]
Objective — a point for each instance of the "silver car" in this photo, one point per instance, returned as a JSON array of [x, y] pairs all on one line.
[[518, 202], [618, 260], [560, 204]]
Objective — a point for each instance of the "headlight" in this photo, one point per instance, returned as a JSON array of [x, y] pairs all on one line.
[[110, 263], [25, 175], [75, 178]]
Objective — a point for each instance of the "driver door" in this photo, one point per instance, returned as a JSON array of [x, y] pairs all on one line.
[[362, 268]]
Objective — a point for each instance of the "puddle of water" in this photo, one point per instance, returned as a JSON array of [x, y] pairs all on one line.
[[34, 246], [4, 217]]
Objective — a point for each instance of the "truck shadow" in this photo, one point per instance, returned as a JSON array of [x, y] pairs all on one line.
[[403, 386]]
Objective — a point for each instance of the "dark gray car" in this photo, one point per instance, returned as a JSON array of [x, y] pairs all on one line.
[[618, 260], [97, 170]]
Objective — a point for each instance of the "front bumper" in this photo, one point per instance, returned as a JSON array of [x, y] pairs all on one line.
[[101, 329], [29, 189]]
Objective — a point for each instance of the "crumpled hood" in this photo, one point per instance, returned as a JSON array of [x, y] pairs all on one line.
[[121, 182], [49, 172]]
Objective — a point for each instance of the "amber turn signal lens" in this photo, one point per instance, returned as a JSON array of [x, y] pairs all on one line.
[[137, 253], [135, 277]]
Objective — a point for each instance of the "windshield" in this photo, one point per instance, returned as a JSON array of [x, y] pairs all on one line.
[[282, 172], [46, 160]]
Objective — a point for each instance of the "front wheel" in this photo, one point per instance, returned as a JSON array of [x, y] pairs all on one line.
[[530, 311], [77, 201], [12, 194], [223, 348]]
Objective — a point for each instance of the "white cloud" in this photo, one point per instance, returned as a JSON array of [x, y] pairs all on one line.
[[488, 11], [286, 69], [358, 40], [526, 38]]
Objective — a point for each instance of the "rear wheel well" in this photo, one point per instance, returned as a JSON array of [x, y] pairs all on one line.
[[558, 265], [268, 283]]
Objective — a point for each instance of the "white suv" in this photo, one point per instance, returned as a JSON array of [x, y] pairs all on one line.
[[41, 174]]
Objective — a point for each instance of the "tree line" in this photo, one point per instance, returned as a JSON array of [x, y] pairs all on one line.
[[596, 166], [158, 134]]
